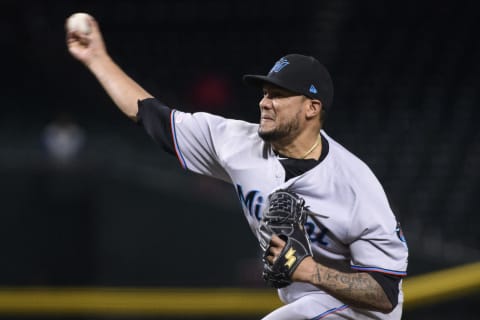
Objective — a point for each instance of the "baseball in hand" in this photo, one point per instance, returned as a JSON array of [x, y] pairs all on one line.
[[79, 22]]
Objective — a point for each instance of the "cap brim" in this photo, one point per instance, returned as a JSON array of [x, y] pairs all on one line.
[[258, 81]]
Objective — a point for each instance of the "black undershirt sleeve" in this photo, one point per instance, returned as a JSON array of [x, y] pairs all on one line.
[[389, 284], [154, 116]]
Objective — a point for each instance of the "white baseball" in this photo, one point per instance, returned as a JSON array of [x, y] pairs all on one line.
[[79, 22]]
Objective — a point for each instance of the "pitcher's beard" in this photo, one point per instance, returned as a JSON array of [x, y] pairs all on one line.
[[280, 133]]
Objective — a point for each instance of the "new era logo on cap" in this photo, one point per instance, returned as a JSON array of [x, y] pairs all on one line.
[[313, 89]]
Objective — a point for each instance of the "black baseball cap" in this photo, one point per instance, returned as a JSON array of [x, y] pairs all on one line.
[[300, 74]]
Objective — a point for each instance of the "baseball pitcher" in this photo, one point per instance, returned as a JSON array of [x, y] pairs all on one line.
[[331, 243]]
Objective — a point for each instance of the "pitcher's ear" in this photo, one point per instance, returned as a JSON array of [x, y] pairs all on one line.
[[314, 108]]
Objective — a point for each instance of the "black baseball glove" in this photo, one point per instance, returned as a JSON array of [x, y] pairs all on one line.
[[285, 216]]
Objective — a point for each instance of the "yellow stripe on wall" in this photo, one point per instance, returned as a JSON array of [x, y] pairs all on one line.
[[441, 285], [434, 287], [124, 301]]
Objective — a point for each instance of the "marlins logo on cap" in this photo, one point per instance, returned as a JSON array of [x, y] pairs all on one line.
[[279, 65]]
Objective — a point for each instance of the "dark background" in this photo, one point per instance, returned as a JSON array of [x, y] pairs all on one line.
[[116, 210]]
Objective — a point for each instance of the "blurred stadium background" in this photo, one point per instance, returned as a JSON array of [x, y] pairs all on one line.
[[88, 200]]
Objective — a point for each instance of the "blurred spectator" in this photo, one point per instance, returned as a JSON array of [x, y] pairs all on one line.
[[63, 139], [211, 92]]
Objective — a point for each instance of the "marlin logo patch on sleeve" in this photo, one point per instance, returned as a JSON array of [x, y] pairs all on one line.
[[400, 234]]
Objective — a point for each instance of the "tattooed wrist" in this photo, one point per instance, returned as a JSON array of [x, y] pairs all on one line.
[[357, 289], [316, 276]]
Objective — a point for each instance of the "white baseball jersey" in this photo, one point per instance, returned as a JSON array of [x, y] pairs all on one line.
[[355, 228]]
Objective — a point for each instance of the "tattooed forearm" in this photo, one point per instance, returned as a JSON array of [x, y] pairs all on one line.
[[316, 275], [356, 289]]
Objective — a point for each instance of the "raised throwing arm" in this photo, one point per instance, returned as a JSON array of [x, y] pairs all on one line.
[[91, 51]]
